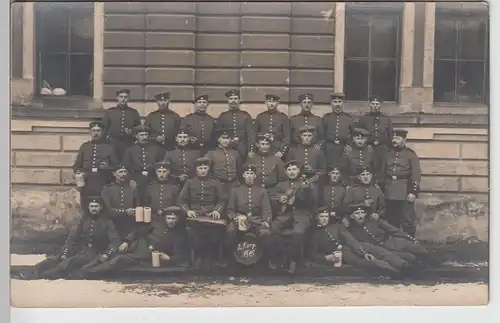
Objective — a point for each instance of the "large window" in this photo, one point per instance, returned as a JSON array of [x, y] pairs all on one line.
[[461, 58], [372, 56], [65, 47]]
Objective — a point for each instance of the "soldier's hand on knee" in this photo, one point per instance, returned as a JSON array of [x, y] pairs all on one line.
[[164, 256], [191, 214], [369, 257], [215, 215], [103, 258], [411, 197], [123, 247], [374, 216]]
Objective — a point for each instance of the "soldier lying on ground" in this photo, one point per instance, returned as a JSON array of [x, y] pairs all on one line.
[[404, 249], [164, 236], [331, 237], [92, 241]]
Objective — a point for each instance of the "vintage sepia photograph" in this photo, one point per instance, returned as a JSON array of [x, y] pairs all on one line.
[[249, 154]]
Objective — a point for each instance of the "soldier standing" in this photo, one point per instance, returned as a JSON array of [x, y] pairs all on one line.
[[337, 125], [182, 158], [93, 159], [276, 124], [163, 123], [118, 123], [306, 118], [204, 196], [401, 182], [250, 201], [93, 240], [241, 124], [334, 193], [270, 169], [201, 126], [360, 154], [162, 193], [140, 160], [225, 161], [379, 126], [307, 156]]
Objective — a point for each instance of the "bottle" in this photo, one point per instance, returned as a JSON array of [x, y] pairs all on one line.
[[338, 255]]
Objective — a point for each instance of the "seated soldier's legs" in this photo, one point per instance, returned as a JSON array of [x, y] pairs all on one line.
[[231, 236], [353, 259], [196, 236], [386, 255], [119, 262], [37, 270], [394, 212], [302, 221], [282, 222], [66, 266]]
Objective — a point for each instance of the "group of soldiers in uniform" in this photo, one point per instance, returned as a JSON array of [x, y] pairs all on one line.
[[304, 186]]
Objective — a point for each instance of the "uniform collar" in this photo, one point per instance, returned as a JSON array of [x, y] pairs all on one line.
[[306, 113]]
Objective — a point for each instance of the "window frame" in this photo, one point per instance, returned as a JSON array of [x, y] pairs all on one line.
[[376, 10], [458, 14], [68, 53]]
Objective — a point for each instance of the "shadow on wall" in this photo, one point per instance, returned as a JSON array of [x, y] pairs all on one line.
[[41, 218]]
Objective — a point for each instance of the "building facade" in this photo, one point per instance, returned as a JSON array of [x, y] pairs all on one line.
[[428, 61]]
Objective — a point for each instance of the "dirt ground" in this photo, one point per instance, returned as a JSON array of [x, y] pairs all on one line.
[[61, 293]]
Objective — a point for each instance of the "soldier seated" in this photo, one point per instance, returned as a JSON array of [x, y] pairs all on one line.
[[249, 210], [296, 199], [332, 244], [164, 192], [92, 241], [202, 199], [163, 237], [400, 249], [365, 193]]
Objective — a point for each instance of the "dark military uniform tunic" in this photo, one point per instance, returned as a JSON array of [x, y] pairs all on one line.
[[337, 128], [297, 217], [326, 240], [333, 197], [356, 195], [275, 123], [401, 175], [226, 166], [309, 156], [382, 234], [202, 195], [381, 130], [182, 162], [140, 160], [355, 157], [161, 195], [93, 159], [250, 200], [115, 121], [163, 123], [93, 236], [304, 119], [242, 125], [117, 198], [172, 241], [270, 170], [202, 127]]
